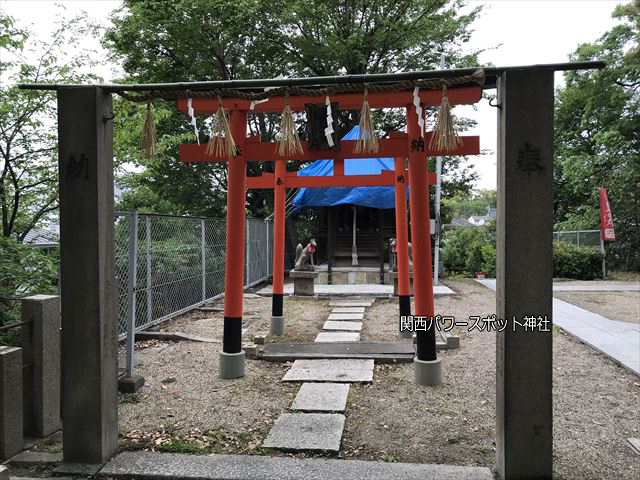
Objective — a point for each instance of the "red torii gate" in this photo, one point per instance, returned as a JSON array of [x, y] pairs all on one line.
[[411, 145]]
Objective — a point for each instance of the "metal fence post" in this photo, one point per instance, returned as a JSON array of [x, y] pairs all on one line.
[[202, 259], [604, 266], [247, 280], [131, 290], [149, 264]]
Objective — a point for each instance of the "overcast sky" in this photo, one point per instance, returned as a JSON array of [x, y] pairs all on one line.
[[515, 32]]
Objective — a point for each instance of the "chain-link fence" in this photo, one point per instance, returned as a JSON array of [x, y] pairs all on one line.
[[581, 238], [166, 265]]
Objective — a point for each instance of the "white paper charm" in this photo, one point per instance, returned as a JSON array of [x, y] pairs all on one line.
[[329, 130], [192, 114], [419, 110]]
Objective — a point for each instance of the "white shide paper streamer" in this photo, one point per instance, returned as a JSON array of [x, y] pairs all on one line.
[[192, 114], [329, 130], [419, 111]]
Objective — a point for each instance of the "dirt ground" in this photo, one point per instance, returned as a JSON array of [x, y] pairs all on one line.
[[621, 306], [185, 407]]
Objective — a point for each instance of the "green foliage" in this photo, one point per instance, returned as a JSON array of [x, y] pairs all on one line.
[[171, 41], [28, 135], [571, 261], [24, 271], [469, 250], [598, 138], [465, 203]]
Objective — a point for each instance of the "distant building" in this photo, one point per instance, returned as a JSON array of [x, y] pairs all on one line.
[[480, 220], [45, 239]]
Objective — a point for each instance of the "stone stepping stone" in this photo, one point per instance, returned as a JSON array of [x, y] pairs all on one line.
[[350, 303], [322, 397], [337, 337], [306, 431], [348, 326], [346, 316], [348, 310], [333, 370]]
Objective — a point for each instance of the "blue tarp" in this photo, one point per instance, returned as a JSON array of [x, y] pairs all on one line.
[[375, 197]]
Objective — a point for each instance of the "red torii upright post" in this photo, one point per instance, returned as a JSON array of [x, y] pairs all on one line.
[[232, 356], [426, 365], [277, 300], [402, 242]]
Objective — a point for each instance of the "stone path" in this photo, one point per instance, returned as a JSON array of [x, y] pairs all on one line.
[[619, 341], [322, 429]]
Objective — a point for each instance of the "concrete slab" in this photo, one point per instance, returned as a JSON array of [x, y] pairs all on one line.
[[350, 303], [140, 465], [380, 352], [560, 287], [322, 397], [348, 310], [306, 431], [620, 341], [366, 289], [29, 459], [348, 326], [346, 316], [352, 370], [327, 337]]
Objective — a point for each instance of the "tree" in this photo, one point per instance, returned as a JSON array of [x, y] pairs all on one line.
[[28, 136], [164, 41], [598, 138]]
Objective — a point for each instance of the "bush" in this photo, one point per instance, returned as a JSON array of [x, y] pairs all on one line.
[[469, 250], [571, 261]]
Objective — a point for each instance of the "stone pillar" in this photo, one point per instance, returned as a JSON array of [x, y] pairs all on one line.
[[524, 274], [87, 271], [11, 438], [41, 349]]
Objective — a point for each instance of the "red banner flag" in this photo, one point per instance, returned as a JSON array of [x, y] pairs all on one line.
[[606, 219]]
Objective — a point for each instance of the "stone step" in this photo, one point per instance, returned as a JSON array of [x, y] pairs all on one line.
[[351, 303], [348, 310], [346, 316], [306, 431], [181, 466], [380, 352], [330, 337], [321, 397], [348, 326], [338, 370]]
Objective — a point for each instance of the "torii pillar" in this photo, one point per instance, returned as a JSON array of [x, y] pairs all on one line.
[[402, 247], [277, 298], [427, 366], [232, 356]]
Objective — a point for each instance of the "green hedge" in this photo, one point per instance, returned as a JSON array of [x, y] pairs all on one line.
[[571, 261], [469, 250]]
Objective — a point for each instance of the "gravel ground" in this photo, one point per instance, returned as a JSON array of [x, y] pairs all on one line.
[[596, 403], [621, 306]]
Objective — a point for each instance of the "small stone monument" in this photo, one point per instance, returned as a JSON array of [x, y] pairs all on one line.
[[303, 272]]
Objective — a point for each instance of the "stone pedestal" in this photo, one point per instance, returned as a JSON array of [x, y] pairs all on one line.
[[394, 276], [10, 401], [303, 282]]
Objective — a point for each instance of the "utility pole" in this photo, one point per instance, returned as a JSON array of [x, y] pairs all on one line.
[[436, 254]]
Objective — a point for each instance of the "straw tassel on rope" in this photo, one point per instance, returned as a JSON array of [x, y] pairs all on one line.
[[367, 141], [221, 142], [445, 137], [289, 141], [148, 140]]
